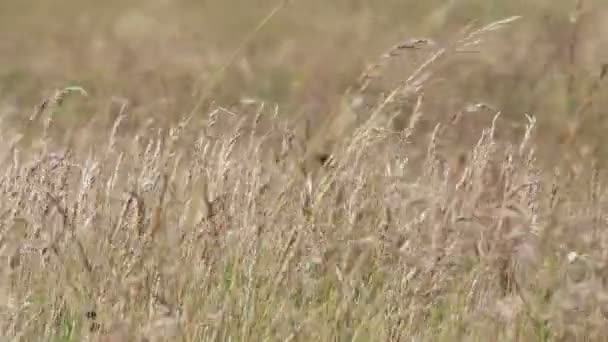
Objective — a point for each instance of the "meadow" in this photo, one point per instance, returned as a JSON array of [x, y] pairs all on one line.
[[274, 170]]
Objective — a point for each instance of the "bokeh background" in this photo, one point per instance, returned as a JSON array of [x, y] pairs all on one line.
[[163, 57]]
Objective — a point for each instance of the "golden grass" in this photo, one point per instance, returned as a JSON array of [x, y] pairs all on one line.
[[411, 213]]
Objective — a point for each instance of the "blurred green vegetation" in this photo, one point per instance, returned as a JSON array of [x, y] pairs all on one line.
[[163, 55]]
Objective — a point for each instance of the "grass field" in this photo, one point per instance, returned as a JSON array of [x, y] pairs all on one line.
[[230, 170]]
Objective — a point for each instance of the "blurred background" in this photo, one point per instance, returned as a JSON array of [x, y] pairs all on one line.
[[166, 57]]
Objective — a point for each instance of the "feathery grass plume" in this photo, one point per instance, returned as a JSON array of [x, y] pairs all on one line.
[[50, 103]]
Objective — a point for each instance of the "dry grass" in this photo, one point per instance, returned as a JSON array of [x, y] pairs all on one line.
[[392, 221]]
